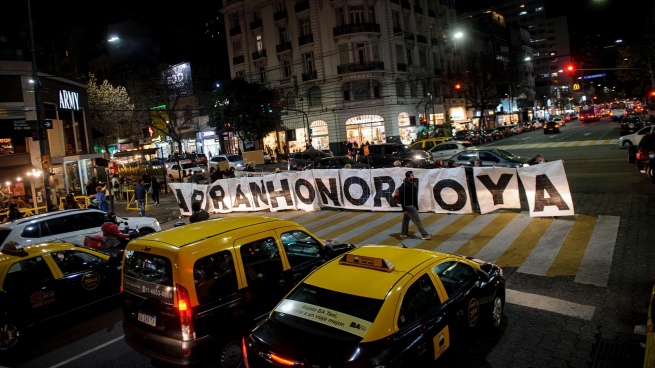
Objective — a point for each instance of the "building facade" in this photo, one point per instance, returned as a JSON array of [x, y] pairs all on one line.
[[347, 71]]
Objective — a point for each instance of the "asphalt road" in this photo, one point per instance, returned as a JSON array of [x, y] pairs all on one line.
[[537, 331]]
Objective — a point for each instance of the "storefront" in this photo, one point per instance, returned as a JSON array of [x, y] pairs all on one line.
[[365, 128], [319, 135], [407, 128]]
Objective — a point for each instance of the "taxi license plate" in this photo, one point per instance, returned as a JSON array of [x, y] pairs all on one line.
[[148, 319]]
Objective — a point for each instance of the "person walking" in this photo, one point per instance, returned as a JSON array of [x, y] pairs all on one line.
[[154, 188], [409, 202], [101, 198], [140, 197], [198, 214], [116, 186]]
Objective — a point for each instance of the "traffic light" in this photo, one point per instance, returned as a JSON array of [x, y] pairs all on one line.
[[570, 68], [458, 86], [652, 93]]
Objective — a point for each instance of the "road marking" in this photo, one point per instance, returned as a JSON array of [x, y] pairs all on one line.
[[87, 352], [544, 253], [599, 252], [550, 304], [570, 254]]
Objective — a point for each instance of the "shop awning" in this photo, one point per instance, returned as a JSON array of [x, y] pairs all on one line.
[[141, 152]]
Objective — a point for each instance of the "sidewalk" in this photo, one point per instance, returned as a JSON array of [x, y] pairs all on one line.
[[167, 211]]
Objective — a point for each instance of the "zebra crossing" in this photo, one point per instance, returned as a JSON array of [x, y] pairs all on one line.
[[580, 246], [523, 145]]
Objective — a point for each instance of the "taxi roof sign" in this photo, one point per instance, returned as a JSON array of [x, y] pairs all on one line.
[[14, 249], [380, 264]]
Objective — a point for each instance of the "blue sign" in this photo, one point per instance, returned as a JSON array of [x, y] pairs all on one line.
[[594, 76]]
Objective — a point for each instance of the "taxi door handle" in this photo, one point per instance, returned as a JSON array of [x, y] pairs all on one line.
[[460, 313]]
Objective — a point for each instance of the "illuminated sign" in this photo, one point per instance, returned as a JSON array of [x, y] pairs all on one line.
[[69, 100]]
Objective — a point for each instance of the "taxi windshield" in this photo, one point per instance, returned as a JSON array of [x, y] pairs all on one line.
[[338, 308]]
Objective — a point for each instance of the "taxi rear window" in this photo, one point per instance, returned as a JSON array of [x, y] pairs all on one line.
[[338, 311], [148, 267]]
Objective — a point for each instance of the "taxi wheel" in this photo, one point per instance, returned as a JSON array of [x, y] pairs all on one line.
[[9, 336], [497, 311], [231, 355]]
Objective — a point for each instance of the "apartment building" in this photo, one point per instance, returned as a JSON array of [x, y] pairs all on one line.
[[347, 71]]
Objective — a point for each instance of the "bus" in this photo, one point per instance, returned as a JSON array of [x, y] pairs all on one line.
[[618, 110], [590, 113]]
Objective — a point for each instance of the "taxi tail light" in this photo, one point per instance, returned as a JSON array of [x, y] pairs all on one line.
[[244, 351], [186, 314], [642, 155]]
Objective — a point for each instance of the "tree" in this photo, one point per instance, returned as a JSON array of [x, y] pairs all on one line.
[[110, 111], [245, 109]]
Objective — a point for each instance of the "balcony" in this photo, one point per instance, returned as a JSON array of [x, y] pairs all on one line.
[[402, 67], [355, 28], [237, 60], [360, 67], [409, 36], [259, 54], [405, 4], [286, 46], [305, 39], [309, 76], [421, 39], [235, 31], [282, 14], [256, 24], [301, 6]]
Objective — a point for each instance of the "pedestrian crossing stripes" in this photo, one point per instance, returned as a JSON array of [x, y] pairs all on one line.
[[580, 246], [593, 142]]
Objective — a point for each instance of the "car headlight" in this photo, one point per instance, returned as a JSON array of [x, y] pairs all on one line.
[[417, 157]]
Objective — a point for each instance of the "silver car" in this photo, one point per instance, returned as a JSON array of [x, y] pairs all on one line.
[[443, 151], [489, 157]]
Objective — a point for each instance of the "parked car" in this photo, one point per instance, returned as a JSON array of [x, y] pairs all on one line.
[[495, 133], [385, 154], [175, 159], [445, 150], [639, 154], [156, 163], [551, 127], [634, 138], [488, 157], [191, 294], [631, 124], [70, 226], [381, 306], [177, 172], [306, 158], [201, 159], [50, 280], [428, 143], [505, 130], [558, 120], [231, 160], [338, 162]]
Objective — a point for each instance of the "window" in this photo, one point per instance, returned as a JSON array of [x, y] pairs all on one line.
[[256, 16], [259, 43], [343, 54], [400, 54], [261, 260], [455, 276], [35, 230], [339, 16], [237, 49], [148, 267], [314, 96], [61, 225], [371, 14], [358, 90], [27, 272], [308, 62], [90, 219], [360, 53], [282, 32], [413, 87], [395, 19], [215, 277], [423, 57], [262, 74], [234, 21], [299, 246], [72, 261], [400, 88], [286, 68], [304, 27], [419, 299], [291, 100], [356, 14], [408, 53]]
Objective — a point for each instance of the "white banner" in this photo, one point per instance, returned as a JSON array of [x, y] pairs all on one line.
[[440, 190]]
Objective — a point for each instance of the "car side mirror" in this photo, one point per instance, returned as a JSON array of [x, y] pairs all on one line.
[[335, 249]]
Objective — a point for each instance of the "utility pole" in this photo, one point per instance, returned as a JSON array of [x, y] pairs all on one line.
[[43, 148]]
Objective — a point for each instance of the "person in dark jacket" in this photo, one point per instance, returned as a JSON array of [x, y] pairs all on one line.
[[14, 213], [140, 197], [198, 213], [409, 203], [154, 185]]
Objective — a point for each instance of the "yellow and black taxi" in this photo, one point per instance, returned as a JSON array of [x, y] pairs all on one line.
[[379, 306], [190, 293], [42, 281]]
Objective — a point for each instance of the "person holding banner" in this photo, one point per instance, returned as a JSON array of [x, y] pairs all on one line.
[[409, 202]]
